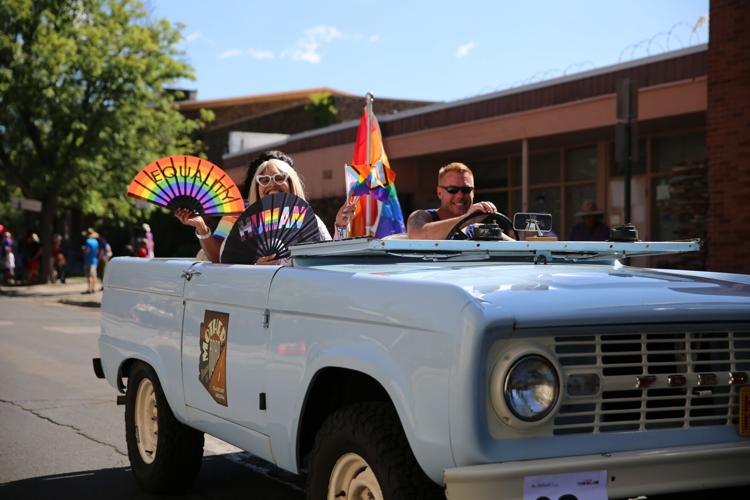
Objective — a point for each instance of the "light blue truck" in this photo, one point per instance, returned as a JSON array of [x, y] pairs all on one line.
[[399, 369]]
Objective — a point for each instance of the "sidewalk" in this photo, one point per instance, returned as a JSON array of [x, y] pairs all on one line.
[[69, 293]]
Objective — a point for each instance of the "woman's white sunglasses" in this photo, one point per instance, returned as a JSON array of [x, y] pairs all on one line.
[[265, 180]]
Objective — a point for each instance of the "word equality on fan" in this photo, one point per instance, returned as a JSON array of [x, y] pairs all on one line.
[[192, 173], [270, 220]]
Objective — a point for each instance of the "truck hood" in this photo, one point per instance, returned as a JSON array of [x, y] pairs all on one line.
[[566, 294]]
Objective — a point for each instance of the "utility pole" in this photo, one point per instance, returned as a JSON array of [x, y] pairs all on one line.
[[626, 140]]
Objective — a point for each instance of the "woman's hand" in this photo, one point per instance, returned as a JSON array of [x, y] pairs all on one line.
[[346, 212], [268, 260], [190, 218]]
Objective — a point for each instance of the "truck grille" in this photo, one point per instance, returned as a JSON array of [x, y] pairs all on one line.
[[619, 359]]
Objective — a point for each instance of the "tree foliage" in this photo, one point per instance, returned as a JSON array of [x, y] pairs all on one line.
[[322, 108], [83, 103]]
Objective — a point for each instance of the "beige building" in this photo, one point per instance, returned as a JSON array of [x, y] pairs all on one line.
[[550, 145]]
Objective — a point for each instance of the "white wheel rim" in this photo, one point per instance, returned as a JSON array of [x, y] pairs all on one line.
[[146, 421], [352, 479]]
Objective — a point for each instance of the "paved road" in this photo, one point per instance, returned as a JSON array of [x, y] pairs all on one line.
[[61, 434]]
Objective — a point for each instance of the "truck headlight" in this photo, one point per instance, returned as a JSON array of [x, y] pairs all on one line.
[[524, 387], [531, 388]]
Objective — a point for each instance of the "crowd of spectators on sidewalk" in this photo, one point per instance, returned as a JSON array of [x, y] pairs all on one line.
[[20, 260]]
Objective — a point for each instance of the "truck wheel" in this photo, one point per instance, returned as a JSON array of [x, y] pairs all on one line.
[[165, 455], [361, 451]]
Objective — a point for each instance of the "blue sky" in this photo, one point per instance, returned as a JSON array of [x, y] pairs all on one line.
[[423, 50]]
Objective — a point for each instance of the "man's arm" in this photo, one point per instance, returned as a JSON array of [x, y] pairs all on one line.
[[420, 226]]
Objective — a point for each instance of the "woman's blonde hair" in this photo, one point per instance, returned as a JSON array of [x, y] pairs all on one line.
[[295, 183]]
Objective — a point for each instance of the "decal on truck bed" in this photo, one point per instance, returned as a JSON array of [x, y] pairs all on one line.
[[212, 365]]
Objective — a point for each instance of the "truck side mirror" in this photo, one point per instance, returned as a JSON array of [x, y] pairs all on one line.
[[523, 221]]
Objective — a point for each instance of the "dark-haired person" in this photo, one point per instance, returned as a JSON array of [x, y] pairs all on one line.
[[455, 190], [592, 226], [269, 177]]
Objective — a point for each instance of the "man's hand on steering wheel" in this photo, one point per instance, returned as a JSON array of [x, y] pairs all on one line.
[[483, 206], [477, 214]]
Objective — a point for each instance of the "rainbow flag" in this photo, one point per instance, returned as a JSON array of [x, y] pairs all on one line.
[[376, 182], [225, 225]]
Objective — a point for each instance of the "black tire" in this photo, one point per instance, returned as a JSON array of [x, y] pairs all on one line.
[[179, 448], [372, 431]]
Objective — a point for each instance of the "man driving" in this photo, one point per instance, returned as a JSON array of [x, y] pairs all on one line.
[[455, 190]]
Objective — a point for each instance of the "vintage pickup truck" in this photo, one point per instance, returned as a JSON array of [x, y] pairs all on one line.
[[399, 369]]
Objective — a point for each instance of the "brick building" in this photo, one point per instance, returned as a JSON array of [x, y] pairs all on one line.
[[728, 136], [273, 115], [549, 146]]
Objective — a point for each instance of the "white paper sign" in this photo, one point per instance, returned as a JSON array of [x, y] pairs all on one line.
[[589, 485]]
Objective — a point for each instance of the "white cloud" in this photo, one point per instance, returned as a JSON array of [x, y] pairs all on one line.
[[260, 54], [193, 36], [230, 53], [464, 49], [307, 47], [374, 38]]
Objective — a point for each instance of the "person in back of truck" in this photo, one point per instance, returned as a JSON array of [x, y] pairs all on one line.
[[272, 172], [455, 190]]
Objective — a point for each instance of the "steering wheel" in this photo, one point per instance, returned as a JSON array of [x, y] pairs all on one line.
[[502, 220]]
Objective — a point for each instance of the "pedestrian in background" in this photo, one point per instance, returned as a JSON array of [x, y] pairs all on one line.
[[105, 253], [32, 257], [8, 258], [592, 226], [149, 240], [58, 261], [90, 250], [141, 249]]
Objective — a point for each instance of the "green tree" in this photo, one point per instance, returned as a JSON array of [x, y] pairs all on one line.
[[83, 104], [322, 108]]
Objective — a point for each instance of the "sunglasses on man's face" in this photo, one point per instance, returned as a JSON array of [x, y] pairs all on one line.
[[265, 180], [456, 189]]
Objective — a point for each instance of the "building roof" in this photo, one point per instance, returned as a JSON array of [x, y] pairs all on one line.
[[670, 66], [290, 95]]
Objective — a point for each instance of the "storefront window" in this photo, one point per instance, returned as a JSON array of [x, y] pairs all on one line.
[[574, 198], [580, 164], [499, 198], [544, 167], [490, 174], [515, 171], [676, 152], [547, 200], [680, 204], [516, 202]]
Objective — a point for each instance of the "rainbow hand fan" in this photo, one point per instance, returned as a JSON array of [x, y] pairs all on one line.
[[188, 182], [269, 227]]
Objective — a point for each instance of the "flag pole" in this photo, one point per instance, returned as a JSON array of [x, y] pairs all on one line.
[[368, 212]]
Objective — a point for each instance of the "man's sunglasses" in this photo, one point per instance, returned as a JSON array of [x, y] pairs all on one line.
[[456, 189], [265, 180]]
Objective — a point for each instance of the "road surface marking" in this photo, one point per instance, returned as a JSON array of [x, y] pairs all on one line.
[[74, 330]]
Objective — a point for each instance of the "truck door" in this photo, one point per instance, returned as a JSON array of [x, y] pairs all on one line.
[[224, 342]]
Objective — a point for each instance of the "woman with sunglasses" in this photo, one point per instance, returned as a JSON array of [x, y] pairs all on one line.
[[271, 176]]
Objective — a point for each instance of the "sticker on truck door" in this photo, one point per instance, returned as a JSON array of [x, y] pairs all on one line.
[[212, 365]]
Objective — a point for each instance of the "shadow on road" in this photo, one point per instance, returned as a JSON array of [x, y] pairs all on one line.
[[229, 476], [219, 478]]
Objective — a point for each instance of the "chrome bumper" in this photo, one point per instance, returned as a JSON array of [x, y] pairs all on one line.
[[646, 472]]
